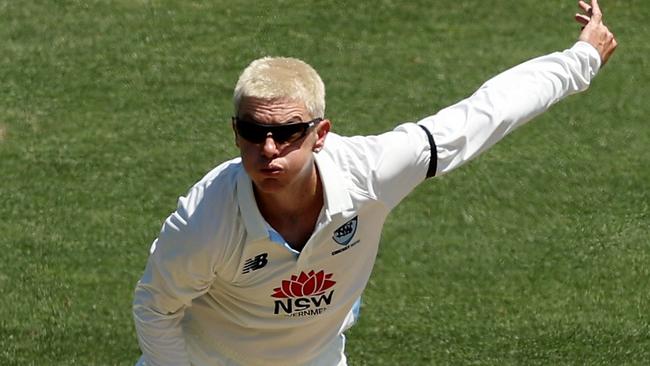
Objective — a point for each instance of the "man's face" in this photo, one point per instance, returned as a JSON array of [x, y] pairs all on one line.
[[275, 166]]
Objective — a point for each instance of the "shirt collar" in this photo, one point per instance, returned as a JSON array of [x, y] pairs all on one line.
[[337, 197], [253, 220]]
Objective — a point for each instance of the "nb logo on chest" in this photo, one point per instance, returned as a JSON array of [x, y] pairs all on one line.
[[255, 263]]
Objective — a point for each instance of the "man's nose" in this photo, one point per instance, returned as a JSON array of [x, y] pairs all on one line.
[[270, 147]]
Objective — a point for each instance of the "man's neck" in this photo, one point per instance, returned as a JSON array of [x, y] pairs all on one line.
[[293, 211]]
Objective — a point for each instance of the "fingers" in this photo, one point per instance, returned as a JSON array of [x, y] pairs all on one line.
[[610, 47], [595, 8], [592, 11], [584, 6], [614, 44], [582, 19]]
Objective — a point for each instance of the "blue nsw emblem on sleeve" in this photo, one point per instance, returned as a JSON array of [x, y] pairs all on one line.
[[345, 232]]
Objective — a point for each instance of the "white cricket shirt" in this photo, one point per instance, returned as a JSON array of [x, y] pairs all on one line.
[[223, 288]]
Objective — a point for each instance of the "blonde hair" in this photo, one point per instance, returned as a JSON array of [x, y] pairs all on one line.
[[280, 78]]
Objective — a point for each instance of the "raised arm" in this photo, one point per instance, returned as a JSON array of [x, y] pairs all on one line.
[[510, 99]]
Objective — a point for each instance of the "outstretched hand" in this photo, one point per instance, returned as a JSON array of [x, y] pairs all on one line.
[[594, 31]]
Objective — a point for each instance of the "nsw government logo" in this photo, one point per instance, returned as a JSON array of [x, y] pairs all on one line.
[[344, 234], [304, 294]]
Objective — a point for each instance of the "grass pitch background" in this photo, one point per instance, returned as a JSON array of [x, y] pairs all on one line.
[[536, 253]]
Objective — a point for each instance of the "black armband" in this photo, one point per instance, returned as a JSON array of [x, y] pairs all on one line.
[[433, 161]]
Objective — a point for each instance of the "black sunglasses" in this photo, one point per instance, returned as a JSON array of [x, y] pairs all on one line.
[[283, 133]]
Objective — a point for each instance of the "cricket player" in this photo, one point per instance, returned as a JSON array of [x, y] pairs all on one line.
[[265, 259]]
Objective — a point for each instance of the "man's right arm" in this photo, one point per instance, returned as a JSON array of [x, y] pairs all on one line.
[[179, 269], [159, 331]]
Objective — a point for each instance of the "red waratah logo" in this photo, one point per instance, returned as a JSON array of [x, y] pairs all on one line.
[[310, 284]]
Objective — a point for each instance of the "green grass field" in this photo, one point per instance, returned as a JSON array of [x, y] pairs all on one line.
[[537, 253]]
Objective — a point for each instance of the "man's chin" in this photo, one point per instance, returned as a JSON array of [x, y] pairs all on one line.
[[269, 185]]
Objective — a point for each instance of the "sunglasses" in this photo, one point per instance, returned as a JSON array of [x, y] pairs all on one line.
[[283, 133]]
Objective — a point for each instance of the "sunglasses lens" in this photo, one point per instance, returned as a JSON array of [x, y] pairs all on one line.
[[288, 133], [251, 131]]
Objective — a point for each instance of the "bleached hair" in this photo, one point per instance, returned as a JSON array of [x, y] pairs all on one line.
[[282, 78]]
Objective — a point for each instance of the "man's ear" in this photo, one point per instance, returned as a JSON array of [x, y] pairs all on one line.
[[322, 129]]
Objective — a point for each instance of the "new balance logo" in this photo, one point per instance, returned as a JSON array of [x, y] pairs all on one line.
[[253, 264]]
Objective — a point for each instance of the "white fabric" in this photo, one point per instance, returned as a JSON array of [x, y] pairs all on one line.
[[505, 102], [207, 294]]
